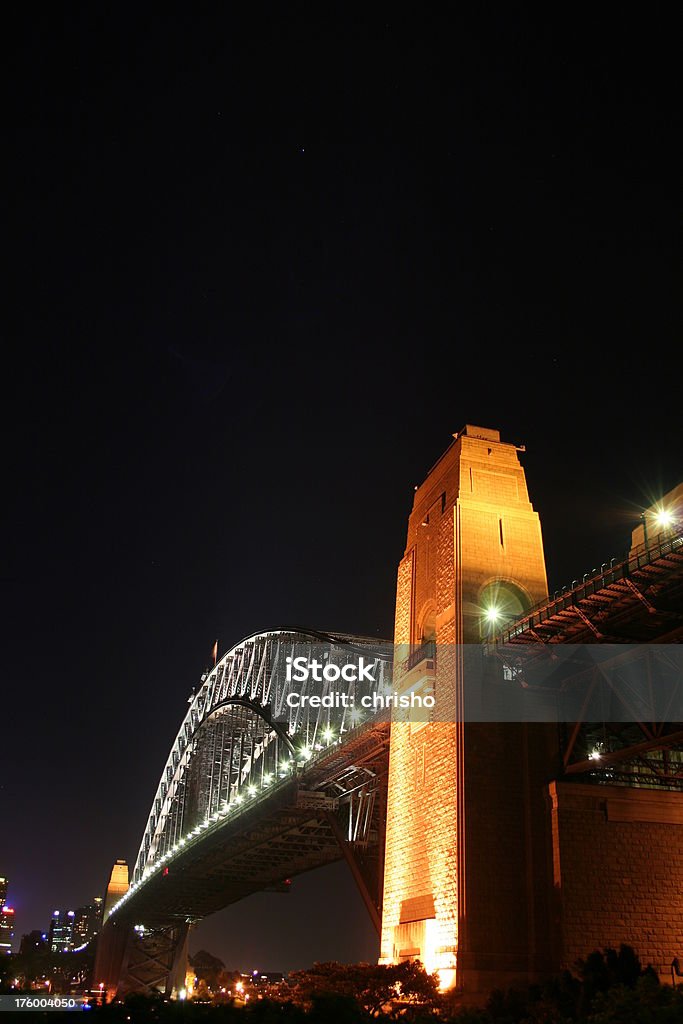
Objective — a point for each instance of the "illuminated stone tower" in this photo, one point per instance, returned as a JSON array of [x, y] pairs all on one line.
[[117, 887], [463, 859]]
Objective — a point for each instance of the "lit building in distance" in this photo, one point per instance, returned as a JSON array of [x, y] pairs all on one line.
[[6, 929], [6, 919], [87, 922], [60, 936]]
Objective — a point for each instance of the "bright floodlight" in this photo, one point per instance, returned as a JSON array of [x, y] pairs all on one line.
[[664, 518], [327, 735], [492, 614]]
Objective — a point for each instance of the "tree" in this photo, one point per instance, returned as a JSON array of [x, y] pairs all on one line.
[[207, 968], [645, 1002], [602, 970], [386, 988]]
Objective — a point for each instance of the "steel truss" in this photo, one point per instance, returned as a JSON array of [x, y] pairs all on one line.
[[253, 792], [622, 733], [618, 708], [239, 735], [636, 600], [155, 960]]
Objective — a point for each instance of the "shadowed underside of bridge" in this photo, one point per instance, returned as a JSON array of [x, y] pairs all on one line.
[[305, 823], [634, 610]]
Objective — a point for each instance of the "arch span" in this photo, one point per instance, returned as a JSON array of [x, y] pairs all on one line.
[[240, 734]]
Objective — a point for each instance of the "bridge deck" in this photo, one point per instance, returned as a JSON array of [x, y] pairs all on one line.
[[638, 600], [277, 837]]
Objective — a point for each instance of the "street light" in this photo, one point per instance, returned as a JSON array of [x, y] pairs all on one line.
[[492, 614], [664, 518], [661, 518]]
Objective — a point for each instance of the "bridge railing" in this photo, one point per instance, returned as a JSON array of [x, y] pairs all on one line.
[[641, 556]]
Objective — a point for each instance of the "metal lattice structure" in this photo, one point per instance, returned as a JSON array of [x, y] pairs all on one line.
[[256, 788], [634, 607], [240, 739]]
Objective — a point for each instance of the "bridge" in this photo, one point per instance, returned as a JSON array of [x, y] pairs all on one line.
[[255, 791], [271, 775], [261, 784]]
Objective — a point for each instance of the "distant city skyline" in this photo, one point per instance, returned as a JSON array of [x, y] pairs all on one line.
[[65, 930]]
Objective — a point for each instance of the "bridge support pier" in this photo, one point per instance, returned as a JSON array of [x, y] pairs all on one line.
[[139, 959], [109, 956], [372, 905], [461, 892], [155, 960]]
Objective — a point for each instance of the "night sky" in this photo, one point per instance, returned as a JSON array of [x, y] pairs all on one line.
[[256, 278]]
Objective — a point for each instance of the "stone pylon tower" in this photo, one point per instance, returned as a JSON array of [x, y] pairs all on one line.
[[117, 887], [464, 857]]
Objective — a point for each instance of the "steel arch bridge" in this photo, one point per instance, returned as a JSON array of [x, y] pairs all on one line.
[[260, 784]]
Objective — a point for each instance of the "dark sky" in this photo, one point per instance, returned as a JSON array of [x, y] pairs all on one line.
[[256, 278]]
